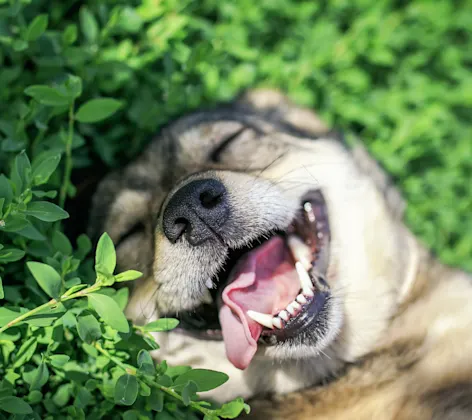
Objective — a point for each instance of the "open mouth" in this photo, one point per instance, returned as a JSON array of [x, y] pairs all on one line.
[[271, 290]]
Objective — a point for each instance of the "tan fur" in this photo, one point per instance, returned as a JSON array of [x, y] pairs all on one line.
[[399, 337]]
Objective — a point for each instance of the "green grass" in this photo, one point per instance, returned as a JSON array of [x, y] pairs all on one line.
[[395, 73]]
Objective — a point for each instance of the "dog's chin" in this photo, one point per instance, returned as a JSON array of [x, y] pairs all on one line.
[[310, 316]]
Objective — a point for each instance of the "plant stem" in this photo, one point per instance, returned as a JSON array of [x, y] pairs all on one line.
[[50, 304], [154, 384], [68, 164], [114, 359]]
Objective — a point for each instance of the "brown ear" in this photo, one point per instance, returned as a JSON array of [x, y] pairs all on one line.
[[274, 103]]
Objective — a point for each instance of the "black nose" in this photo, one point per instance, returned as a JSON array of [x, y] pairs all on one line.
[[198, 210]]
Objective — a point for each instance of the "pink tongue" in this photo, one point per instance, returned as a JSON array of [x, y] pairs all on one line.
[[264, 281]]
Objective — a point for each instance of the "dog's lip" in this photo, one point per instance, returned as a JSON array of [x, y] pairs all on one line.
[[317, 236]]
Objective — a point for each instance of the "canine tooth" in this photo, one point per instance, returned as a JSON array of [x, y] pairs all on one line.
[[304, 277], [308, 292], [277, 322], [300, 251], [209, 283], [284, 315], [263, 319], [301, 299]]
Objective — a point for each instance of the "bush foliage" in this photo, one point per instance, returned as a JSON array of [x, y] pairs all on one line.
[[89, 82]]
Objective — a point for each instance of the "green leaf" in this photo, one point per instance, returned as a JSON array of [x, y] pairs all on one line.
[[146, 364], [203, 378], [35, 397], [88, 24], [84, 245], [5, 189], [62, 396], [15, 223], [30, 232], [156, 400], [59, 360], [73, 86], [11, 255], [164, 380], [128, 275], [144, 389], [2, 293], [6, 315], [174, 371], [109, 311], [69, 36], [44, 166], [40, 377], [21, 172], [46, 211], [15, 405], [88, 328], [26, 352], [83, 398], [46, 317], [105, 256], [233, 409], [37, 27], [19, 45], [163, 324], [97, 110], [47, 95], [61, 243], [189, 392], [48, 279], [126, 390]]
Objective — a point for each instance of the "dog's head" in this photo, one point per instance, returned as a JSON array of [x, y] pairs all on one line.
[[255, 226]]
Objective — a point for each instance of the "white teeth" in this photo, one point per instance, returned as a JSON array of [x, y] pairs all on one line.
[[263, 319], [284, 315], [296, 305], [209, 283], [300, 251], [305, 280], [308, 292], [290, 309], [277, 322], [301, 299]]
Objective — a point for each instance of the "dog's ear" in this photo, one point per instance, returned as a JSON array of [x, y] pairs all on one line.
[[275, 105]]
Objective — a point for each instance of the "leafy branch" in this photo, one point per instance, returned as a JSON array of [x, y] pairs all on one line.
[[142, 380]]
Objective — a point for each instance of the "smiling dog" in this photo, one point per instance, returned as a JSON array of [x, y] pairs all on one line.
[[283, 253]]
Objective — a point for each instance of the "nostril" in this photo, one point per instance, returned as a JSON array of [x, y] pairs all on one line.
[[180, 226], [196, 211], [210, 200]]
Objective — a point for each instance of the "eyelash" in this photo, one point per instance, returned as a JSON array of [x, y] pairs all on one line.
[[215, 154]]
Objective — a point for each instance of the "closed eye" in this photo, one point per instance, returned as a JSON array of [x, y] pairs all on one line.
[[215, 155]]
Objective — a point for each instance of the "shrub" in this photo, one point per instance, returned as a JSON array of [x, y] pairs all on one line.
[[87, 83]]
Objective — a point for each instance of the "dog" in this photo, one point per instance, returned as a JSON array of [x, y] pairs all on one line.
[[281, 249]]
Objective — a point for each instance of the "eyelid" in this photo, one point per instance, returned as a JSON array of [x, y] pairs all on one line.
[[215, 154]]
